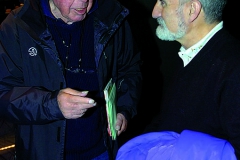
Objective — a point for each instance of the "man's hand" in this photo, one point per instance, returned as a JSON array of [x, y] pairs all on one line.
[[121, 124], [73, 103]]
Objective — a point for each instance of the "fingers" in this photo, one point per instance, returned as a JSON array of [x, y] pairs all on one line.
[[73, 104], [74, 92], [121, 123], [83, 111], [73, 96]]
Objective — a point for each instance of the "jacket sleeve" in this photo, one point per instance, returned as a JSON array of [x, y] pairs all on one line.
[[21, 103], [129, 77]]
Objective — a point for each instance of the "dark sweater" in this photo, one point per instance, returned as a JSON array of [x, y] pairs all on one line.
[[204, 96], [84, 139]]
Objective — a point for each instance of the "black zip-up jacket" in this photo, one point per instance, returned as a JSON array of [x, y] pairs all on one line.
[[31, 75]]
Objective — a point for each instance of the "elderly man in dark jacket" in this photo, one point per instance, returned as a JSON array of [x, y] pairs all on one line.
[[54, 66]]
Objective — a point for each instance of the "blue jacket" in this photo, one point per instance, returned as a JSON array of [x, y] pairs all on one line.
[[31, 75], [169, 145]]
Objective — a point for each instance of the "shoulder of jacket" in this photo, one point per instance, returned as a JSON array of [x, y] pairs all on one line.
[[109, 11]]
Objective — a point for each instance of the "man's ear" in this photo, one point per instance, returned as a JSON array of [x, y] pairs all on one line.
[[195, 10]]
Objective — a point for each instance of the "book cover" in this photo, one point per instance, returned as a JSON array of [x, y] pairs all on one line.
[[110, 98]]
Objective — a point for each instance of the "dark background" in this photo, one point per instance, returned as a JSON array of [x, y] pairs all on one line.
[[158, 57]]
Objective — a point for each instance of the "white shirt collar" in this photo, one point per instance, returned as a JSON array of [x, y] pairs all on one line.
[[190, 53]]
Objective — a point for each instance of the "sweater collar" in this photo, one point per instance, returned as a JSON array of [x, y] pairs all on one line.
[[190, 53]]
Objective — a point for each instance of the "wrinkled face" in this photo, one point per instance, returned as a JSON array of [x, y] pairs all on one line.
[[170, 18], [70, 10]]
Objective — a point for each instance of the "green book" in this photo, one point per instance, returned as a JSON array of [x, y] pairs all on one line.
[[110, 98]]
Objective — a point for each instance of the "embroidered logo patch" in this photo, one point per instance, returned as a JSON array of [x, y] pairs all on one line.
[[32, 51]]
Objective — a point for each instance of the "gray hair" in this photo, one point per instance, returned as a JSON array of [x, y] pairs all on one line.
[[213, 9]]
